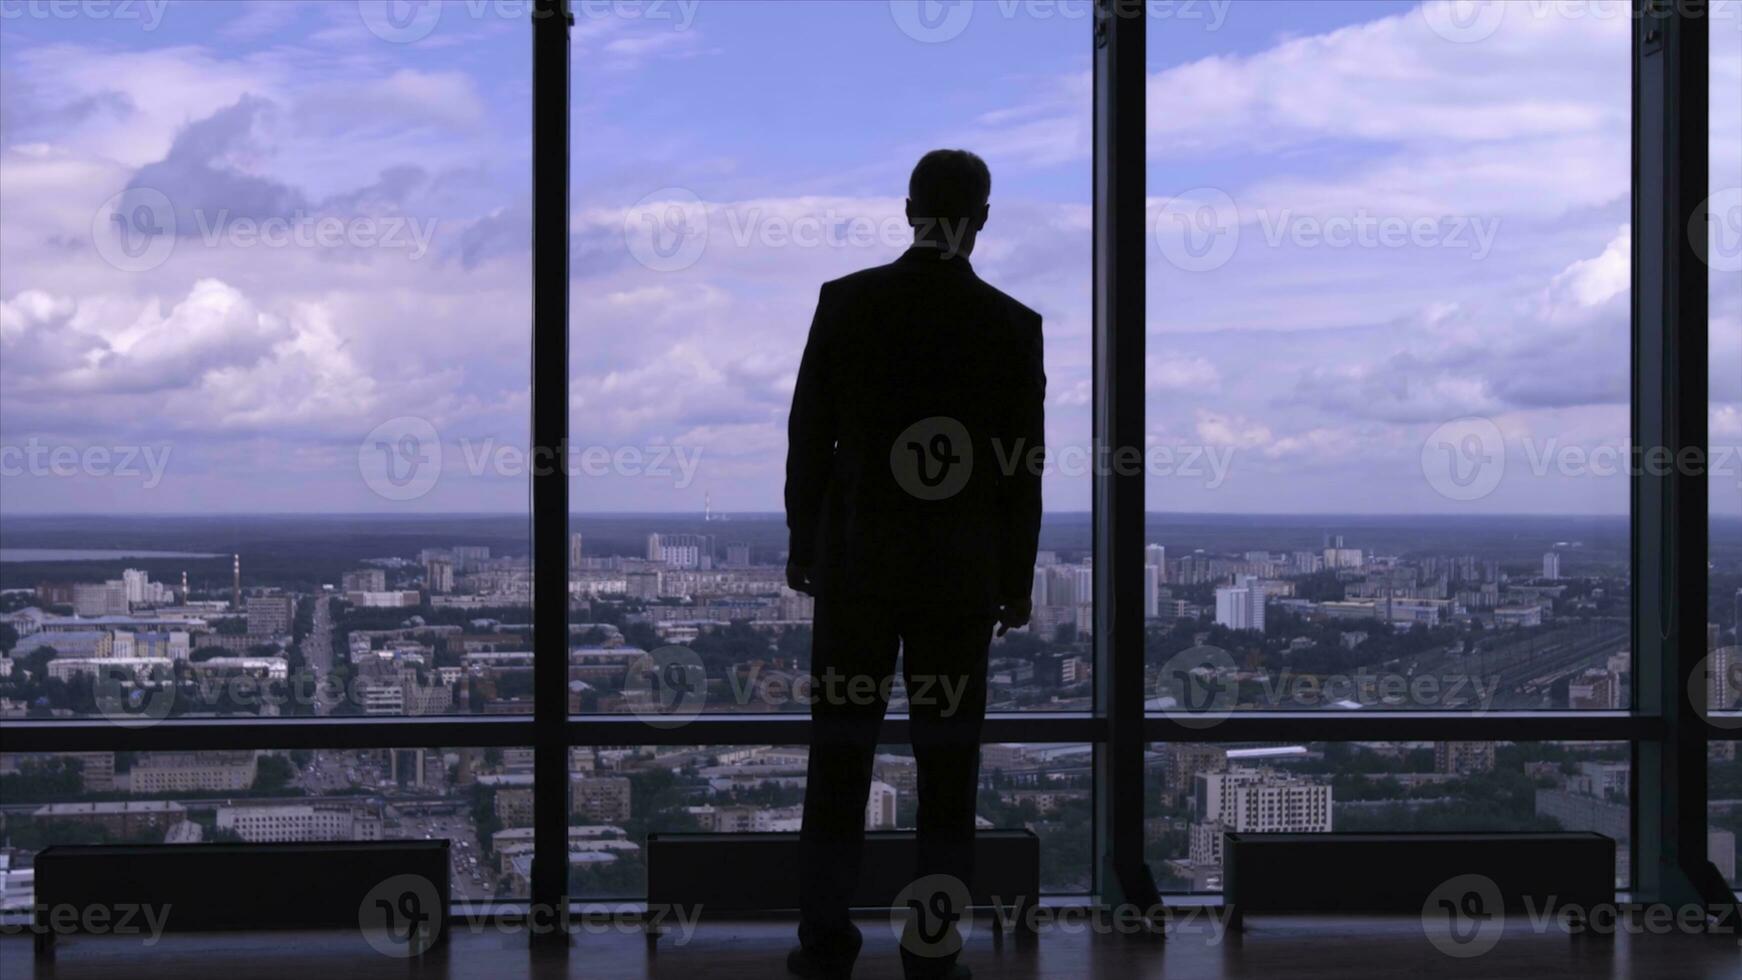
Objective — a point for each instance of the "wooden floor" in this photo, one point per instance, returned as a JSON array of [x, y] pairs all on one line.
[[1295, 948]]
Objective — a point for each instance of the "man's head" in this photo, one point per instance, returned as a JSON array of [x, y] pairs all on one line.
[[946, 200]]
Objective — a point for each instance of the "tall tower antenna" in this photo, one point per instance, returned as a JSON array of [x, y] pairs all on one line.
[[236, 582]]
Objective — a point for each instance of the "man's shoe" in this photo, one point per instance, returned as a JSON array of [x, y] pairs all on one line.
[[802, 962]]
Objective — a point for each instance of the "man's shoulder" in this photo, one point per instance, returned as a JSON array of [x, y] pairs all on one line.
[[1019, 313], [896, 275], [876, 277]]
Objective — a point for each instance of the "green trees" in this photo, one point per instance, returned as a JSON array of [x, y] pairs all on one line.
[[273, 774]]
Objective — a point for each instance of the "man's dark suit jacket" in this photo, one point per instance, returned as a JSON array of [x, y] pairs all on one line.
[[918, 339]]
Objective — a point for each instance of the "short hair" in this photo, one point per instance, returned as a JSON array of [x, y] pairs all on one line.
[[949, 184]]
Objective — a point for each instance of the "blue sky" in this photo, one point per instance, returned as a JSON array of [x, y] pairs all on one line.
[[1313, 373]]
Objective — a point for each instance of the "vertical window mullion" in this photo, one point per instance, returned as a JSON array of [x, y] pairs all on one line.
[[550, 485], [1670, 497], [1122, 876]]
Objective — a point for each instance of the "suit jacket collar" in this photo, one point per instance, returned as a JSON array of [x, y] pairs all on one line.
[[920, 254]]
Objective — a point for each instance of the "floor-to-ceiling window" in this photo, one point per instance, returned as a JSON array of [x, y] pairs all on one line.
[[725, 165], [1388, 416], [264, 336]]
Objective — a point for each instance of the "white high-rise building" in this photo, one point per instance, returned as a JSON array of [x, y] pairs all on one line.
[[1231, 606], [1069, 585], [1241, 606], [880, 807], [1083, 578], [438, 575], [1340, 557], [1720, 679], [1254, 800], [1154, 574], [1551, 566], [138, 585]]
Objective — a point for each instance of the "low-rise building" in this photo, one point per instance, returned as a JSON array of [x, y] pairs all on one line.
[[280, 822]]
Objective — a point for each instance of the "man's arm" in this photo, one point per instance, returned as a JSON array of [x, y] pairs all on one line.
[[810, 445], [1022, 504]]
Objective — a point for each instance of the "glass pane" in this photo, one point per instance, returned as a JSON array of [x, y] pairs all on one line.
[[1203, 790], [619, 796], [461, 795], [704, 227], [1389, 343], [1722, 241], [1724, 793], [264, 336]]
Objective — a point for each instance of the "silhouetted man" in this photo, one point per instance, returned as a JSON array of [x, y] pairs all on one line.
[[913, 501]]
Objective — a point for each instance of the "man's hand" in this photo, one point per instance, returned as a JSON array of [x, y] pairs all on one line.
[[798, 578], [1013, 615]]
